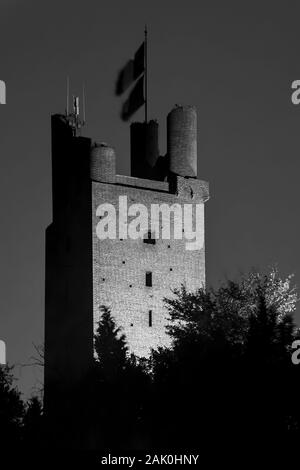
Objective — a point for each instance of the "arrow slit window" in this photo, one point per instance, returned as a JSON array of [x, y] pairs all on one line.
[[148, 279]]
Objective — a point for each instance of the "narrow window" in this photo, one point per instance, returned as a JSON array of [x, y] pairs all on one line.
[[150, 317], [148, 279], [149, 238]]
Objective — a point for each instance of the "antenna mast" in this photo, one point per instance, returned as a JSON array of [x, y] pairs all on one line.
[[73, 117]]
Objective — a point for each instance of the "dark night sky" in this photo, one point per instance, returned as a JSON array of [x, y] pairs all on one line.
[[234, 60]]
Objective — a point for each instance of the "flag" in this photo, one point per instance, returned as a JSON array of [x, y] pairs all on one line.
[[134, 100], [131, 71], [125, 78], [139, 61]]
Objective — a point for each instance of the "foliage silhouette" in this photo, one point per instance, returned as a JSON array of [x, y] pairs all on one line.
[[33, 424], [227, 377], [229, 372], [11, 410], [120, 385]]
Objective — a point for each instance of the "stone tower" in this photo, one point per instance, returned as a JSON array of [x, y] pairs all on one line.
[[131, 275]]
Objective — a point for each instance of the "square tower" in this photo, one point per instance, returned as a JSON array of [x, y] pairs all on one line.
[[98, 254]]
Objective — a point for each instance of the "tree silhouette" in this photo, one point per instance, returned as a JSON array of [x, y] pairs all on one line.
[[227, 377], [110, 347], [120, 385], [11, 410], [33, 423], [228, 372]]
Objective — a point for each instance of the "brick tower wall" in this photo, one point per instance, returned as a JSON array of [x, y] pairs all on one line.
[[120, 266]]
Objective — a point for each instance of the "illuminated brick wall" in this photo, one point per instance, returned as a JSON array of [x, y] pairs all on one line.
[[120, 266]]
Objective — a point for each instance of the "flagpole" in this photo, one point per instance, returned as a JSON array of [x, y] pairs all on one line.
[[146, 76]]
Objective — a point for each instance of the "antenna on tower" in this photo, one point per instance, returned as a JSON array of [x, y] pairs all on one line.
[[76, 106], [73, 117]]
